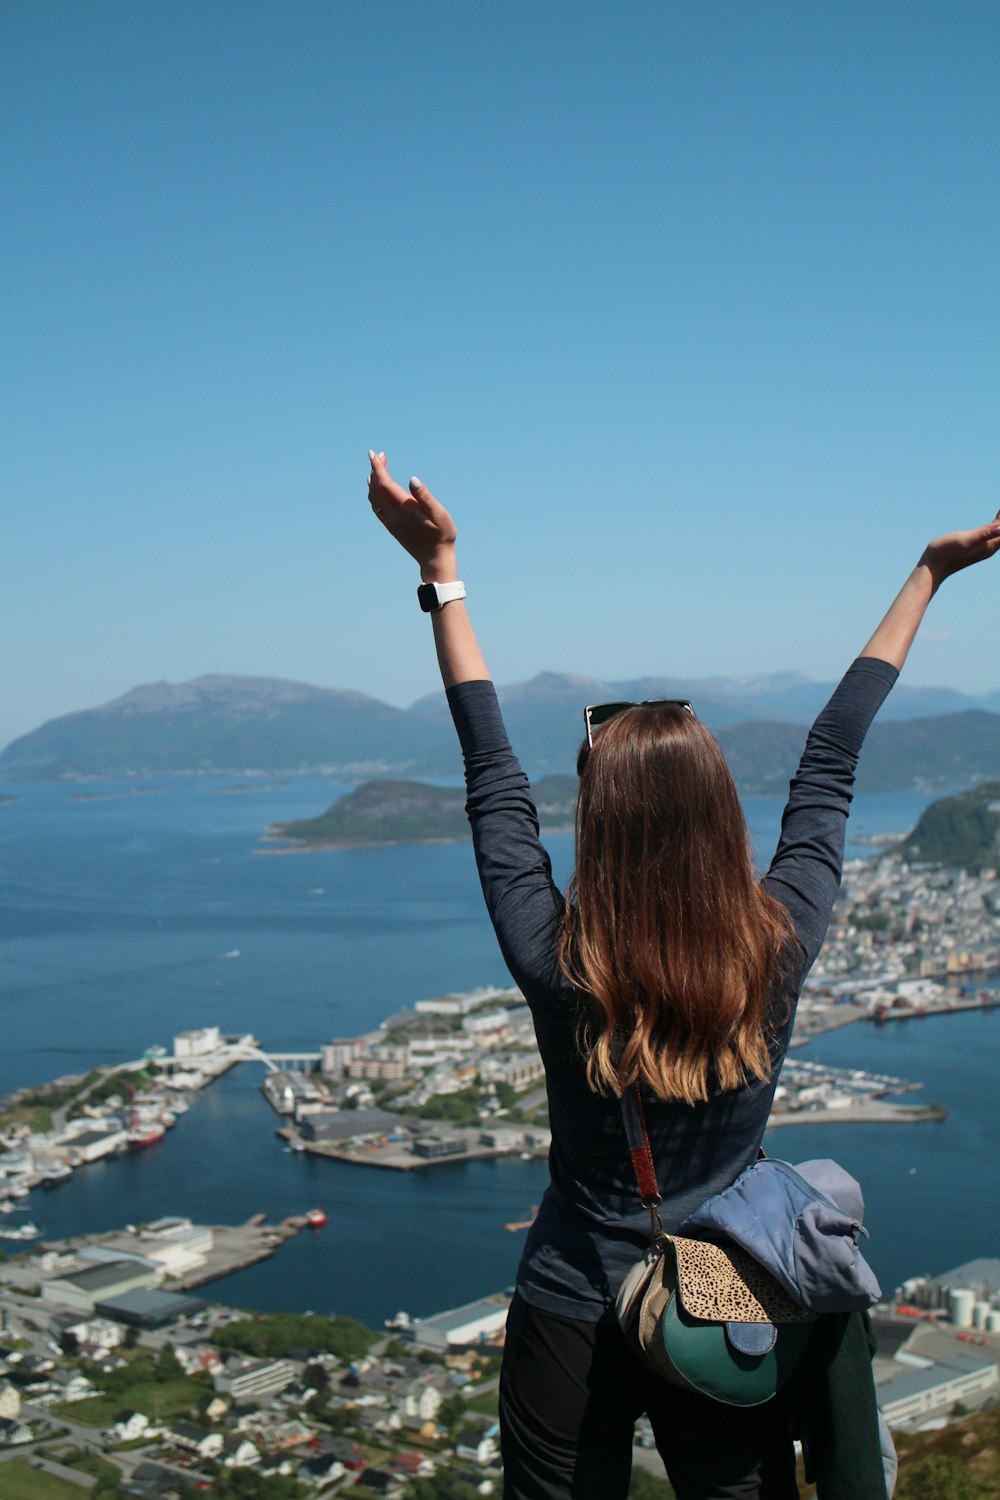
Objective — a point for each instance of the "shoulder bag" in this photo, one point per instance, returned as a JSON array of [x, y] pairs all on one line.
[[704, 1315]]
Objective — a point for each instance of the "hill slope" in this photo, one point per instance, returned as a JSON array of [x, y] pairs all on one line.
[[962, 832], [411, 812], [222, 724]]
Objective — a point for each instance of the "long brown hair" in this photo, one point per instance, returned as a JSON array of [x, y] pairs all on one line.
[[665, 926]]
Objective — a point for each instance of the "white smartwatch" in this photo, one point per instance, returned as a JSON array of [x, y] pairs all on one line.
[[431, 596]]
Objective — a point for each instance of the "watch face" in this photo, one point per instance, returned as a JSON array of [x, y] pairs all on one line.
[[427, 597]]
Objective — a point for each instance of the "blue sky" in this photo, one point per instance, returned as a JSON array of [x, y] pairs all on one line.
[[688, 310]]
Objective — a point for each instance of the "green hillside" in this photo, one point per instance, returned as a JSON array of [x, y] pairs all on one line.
[[962, 832], [383, 812], [411, 812]]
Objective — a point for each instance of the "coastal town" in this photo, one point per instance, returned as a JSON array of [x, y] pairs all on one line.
[[113, 1374], [113, 1383], [459, 1076]]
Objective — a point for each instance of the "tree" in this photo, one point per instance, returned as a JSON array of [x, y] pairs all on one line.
[[337, 1418], [315, 1377], [450, 1412], [275, 1335], [167, 1366]]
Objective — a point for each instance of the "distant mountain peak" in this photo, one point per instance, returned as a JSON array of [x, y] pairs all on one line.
[[219, 722], [555, 685], [246, 694], [755, 684]]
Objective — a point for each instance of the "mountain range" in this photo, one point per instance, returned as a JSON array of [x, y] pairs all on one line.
[[928, 738]]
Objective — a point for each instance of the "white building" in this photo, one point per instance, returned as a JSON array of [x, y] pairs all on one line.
[[127, 1426], [912, 1398], [432, 1051], [177, 1245], [471, 1324], [78, 1291], [198, 1043], [249, 1379], [91, 1144], [10, 1400], [336, 1055], [461, 1005], [477, 1447], [422, 1401]]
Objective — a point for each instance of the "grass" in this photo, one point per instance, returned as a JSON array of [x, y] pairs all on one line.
[[36, 1117], [967, 1454], [487, 1403], [19, 1481], [97, 1468], [158, 1400]]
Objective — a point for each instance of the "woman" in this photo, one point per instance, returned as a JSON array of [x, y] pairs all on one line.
[[669, 965]]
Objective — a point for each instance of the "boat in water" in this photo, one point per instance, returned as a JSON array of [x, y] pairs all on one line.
[[27, 1231], [149, 1133], [316, 1218]]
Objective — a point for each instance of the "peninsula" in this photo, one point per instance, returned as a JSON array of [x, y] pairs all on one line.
[[412, 812]]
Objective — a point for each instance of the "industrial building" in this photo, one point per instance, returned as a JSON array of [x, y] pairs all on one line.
[[474, 1323]]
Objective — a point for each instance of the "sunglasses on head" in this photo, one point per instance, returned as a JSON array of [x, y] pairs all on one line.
[[596, 714]]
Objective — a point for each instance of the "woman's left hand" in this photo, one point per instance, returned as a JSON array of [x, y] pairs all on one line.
[[941, 558], [419, 523], [960, 549]]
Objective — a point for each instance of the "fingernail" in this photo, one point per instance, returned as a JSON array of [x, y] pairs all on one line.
[[371, 453], [416, 484]]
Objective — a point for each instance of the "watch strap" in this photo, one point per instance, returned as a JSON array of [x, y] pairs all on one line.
[[431, 596]]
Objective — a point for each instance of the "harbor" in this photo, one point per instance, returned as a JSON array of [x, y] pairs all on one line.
[[49, 1131], [199, 935], [173, 1253], [224, 1165], [457, 1078]]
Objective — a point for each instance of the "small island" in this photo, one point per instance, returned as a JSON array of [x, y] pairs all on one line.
[[412, 812]]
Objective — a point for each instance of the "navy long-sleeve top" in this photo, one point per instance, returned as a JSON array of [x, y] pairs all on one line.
[[590, 1226]]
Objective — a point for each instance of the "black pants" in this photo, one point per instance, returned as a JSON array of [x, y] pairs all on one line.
[[570, 1393]]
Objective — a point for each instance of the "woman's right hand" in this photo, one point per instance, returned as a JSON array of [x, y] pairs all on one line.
[[419, 523]]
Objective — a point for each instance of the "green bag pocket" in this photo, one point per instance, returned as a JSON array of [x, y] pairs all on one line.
[[702, 1358]]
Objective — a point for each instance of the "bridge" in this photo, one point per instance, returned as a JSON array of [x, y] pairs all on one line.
[[276, 1062], [246, 1049]]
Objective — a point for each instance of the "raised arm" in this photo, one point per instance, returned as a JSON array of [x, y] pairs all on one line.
[[805, 871], [942, 557], [424, 528], [514, 870]]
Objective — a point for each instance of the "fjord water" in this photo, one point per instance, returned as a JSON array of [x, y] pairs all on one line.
[[132, 914]]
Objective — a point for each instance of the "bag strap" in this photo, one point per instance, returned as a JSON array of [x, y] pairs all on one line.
[[639, 1150], [641, 1154]]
